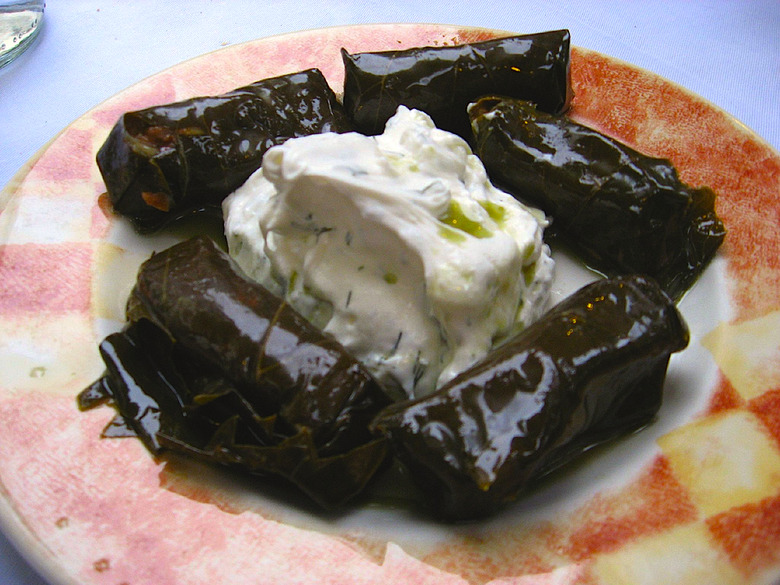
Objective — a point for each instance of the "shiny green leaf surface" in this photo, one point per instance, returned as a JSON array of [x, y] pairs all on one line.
[[588, 371], [621, 211], [442, 81], [214, 366], [167, 161]]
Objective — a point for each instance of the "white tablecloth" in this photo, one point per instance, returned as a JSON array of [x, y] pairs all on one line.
[[88, 50]]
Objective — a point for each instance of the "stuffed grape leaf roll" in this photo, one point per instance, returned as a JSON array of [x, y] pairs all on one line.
[[588, 371], [442, 81], [213, 365], [622, 211], [170, 160]]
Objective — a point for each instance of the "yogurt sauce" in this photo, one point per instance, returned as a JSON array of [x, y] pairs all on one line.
[[396, 244]]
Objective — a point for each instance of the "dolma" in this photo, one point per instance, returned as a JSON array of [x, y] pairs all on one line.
[[167, 161], [442, 81], [622, 211], [588, 371], [214, 366]]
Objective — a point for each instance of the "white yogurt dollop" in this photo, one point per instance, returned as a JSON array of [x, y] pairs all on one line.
[[397, 245]]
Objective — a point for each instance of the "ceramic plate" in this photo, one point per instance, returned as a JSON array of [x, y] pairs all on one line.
[[694, 498]]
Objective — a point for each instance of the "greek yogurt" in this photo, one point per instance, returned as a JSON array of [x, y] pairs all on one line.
[[397, 245]]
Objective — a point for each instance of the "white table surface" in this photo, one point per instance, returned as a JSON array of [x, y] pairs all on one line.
[[88, 50]]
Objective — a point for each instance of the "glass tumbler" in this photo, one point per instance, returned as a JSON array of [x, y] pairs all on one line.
[[20, 21]]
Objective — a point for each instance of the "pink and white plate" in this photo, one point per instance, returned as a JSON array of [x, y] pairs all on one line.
[[694, 498]]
